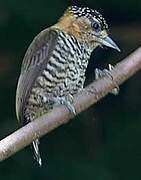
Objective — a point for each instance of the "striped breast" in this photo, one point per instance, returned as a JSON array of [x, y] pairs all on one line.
[[65, 70]]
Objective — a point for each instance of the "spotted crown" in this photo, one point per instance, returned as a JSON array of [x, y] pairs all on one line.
[[89, 13]]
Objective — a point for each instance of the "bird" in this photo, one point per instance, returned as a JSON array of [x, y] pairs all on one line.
[[54, 65]]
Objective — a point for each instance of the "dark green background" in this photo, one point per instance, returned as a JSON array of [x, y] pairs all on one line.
[[102, 143]]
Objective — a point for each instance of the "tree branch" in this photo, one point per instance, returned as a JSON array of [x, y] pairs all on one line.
[[60, 115]]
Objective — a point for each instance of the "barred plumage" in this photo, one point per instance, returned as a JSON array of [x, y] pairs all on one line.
[[65, 70], [56, 61]]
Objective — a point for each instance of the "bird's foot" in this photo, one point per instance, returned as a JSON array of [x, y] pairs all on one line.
[[50, 101], [67, 101], [106, 72]]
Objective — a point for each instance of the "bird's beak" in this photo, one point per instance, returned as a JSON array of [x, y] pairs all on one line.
[[108, 42]]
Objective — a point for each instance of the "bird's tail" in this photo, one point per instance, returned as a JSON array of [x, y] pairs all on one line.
[[35, 146]]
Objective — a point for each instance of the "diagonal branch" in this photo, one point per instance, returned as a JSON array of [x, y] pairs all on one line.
[[60, 115]]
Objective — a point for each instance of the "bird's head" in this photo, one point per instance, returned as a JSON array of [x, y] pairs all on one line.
[[86, 25]]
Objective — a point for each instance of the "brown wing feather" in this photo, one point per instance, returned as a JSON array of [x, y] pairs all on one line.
[[34, 61]]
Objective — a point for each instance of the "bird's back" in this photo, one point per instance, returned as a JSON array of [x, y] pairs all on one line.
[[33, 63]]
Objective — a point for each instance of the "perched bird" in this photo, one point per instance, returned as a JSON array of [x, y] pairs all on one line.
[[54, 66]]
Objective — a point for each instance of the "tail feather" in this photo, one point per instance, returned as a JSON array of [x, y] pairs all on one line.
[[35, 145], [25, 119]]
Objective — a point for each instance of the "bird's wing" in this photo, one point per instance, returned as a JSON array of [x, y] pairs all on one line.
[[34, 61]]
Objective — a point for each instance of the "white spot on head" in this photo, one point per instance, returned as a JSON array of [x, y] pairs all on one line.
[[89, 13]]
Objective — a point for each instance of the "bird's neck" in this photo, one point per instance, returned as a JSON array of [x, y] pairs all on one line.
[[67, 24]]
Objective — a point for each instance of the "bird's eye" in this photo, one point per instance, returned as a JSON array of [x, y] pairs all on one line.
[[96, 26]]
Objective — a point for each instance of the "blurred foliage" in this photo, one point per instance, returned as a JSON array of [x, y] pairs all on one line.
[[102, 142]]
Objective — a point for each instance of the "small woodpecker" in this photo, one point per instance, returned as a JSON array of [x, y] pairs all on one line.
[[54, 66]]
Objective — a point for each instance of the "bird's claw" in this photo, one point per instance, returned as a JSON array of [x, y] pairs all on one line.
[[67, 101], [106, 72], [47, 101]]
